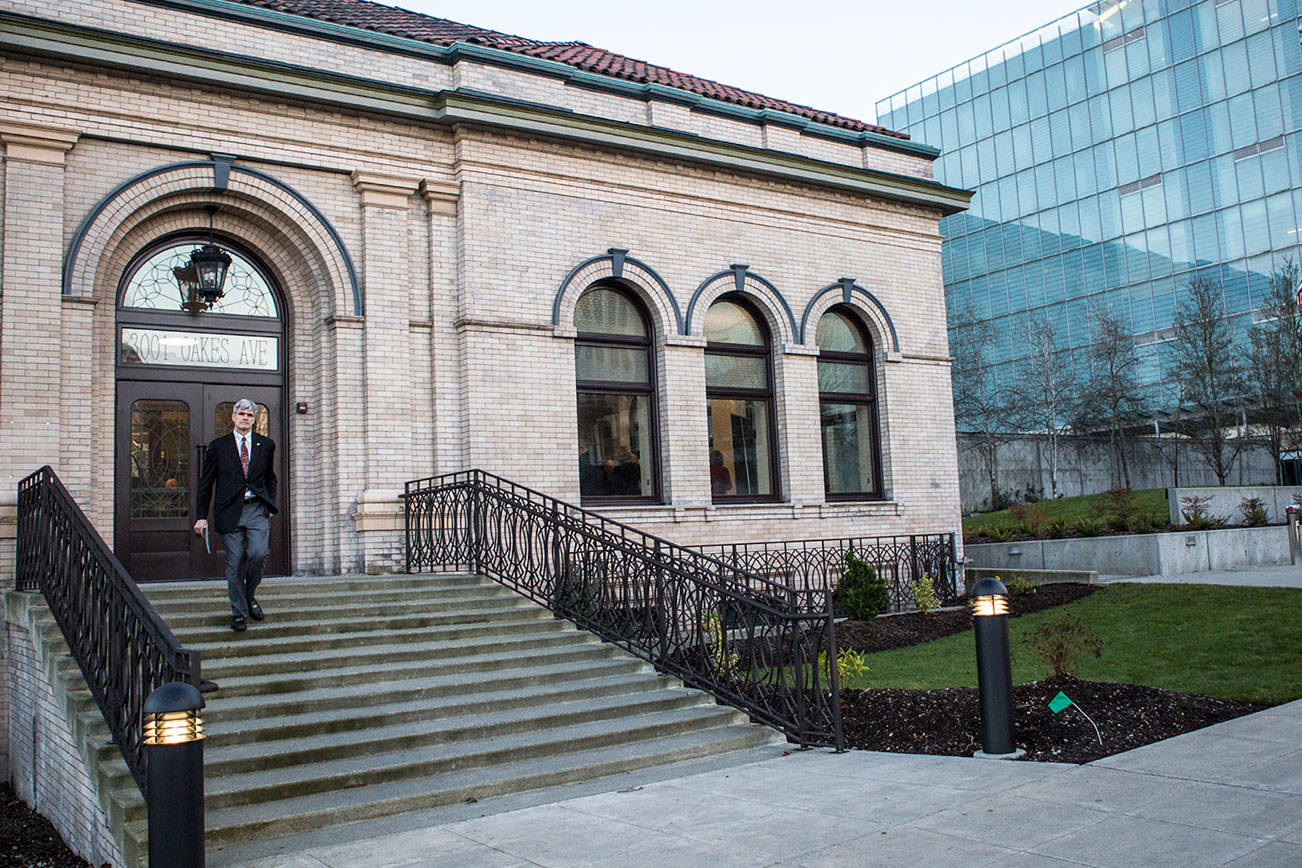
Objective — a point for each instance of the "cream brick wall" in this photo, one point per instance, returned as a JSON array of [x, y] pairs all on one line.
[[46, 768], [455, 362]]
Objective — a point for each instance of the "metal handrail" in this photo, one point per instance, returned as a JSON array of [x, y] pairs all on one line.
[[900, 561], [754, 643], [122, 646]]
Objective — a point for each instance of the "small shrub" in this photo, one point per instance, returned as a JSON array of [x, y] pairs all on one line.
[[999, 534], [1057, 529], [861, 594], [723, 659], [1122, 506], [924, 595], [1117, 524], [1089, 527], [1060, 642], [1030, 518], [1254, 512], [849, 664], [1020, 585], [1194, 511], [1141, 524]]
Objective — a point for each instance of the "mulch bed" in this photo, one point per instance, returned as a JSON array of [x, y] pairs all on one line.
[[948, 722], [914, 628], [27, 840]]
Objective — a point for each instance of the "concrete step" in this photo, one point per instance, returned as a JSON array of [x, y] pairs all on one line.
[[234, 823], [364, 697]]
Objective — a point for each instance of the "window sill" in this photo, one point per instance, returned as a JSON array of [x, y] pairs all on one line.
[[632, 513]]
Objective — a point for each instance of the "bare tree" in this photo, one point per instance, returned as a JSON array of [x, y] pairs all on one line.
[[1209, 375], [981, 405], [1047, 391], [1274, 369], [1111, 398]]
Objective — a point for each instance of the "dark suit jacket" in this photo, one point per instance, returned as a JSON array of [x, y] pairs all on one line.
[[221, 465]]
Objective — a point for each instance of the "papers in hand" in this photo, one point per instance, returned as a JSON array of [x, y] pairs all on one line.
[[205, 540]]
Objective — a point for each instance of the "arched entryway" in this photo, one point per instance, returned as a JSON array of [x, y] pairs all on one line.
[[181, 365]]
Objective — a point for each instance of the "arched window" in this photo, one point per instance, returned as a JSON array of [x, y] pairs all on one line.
[[739, 396], [154, 284], [614, 369], [847, 397]]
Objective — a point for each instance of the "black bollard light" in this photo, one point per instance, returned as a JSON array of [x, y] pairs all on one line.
[[174, 756], [994, 669]]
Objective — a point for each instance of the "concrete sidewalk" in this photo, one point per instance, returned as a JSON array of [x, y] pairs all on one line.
[[1230, 794], [1272, 576]]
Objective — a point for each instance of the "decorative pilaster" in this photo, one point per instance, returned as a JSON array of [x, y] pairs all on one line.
[[30, 310], [386, 207], [447, 400]]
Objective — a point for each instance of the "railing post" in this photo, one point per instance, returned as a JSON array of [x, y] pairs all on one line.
[[834, 675], [406, 518], [1294, 541]]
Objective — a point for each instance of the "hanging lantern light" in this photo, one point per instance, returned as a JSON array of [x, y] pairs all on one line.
[[201, 279]]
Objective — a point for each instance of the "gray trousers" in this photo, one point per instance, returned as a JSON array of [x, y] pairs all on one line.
[[246, 553]]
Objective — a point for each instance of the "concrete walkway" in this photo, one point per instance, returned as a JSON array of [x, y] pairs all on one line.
[[1272, 576], [1226, 795]]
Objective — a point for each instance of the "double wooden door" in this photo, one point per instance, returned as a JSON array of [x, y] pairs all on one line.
[[163, 430]]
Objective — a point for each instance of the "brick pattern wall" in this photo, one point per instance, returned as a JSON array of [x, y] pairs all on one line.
[[46, 769]]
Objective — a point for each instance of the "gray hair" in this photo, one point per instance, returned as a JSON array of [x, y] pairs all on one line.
[[244, 404]]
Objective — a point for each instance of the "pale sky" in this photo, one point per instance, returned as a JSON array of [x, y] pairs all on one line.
[[836, 56]]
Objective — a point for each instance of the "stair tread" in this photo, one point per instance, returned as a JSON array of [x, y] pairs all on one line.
[[461, 728], [461, 751], [637, 682], [482, 782]]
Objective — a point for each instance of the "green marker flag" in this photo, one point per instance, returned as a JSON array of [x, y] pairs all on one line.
[[1059, 702]]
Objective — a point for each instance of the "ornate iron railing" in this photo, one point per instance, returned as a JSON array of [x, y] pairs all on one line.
[[754, 643], [818, 564], [120, 643]]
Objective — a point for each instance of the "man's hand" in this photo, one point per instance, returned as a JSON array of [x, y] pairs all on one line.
[[200, 526]]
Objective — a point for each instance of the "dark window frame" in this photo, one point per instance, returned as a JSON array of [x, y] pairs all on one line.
[[868, 399], [623, 387], [744, 394]]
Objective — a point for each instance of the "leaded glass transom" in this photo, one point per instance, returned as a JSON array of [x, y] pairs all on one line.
[[153, 286]]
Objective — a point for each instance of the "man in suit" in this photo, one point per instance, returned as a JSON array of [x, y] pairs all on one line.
[[242, 466]]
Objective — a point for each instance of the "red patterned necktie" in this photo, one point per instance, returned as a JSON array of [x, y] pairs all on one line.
[[244, 455]]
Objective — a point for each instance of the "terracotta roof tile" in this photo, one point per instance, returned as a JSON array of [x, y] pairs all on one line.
[[440, 31]]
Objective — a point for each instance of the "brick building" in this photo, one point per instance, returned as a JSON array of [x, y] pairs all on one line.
[[455, 248]]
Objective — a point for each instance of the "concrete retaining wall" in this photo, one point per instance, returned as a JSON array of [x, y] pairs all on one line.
[[1154, 554], [1226, 500]]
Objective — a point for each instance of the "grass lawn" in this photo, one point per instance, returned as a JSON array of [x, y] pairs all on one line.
[[1234, 643], [1148, 501]]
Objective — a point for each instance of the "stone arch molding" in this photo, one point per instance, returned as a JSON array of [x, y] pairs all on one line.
[[847, 292], [257, 198], [738, 278], [616, 264]]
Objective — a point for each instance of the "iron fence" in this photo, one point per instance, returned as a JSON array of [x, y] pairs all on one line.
[[818, 564], [754, 643], [120, 643]]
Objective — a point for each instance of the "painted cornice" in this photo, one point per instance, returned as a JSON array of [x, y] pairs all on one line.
[[28, 35]]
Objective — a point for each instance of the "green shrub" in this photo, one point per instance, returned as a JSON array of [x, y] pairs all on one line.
[[849, 664], [1020, 585], [925, 596], [999, 534], [1089, 527], [860, 593], [1254, 512], [1057, 529], [1030, 518], [1194, 511], [723, 659], [1059, 643], [1141, 524], [1123, 506]]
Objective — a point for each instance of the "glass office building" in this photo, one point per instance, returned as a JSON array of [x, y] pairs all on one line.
[[1115, 154]]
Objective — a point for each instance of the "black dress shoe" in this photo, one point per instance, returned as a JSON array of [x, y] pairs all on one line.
[[237, 624], [255, 611]]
